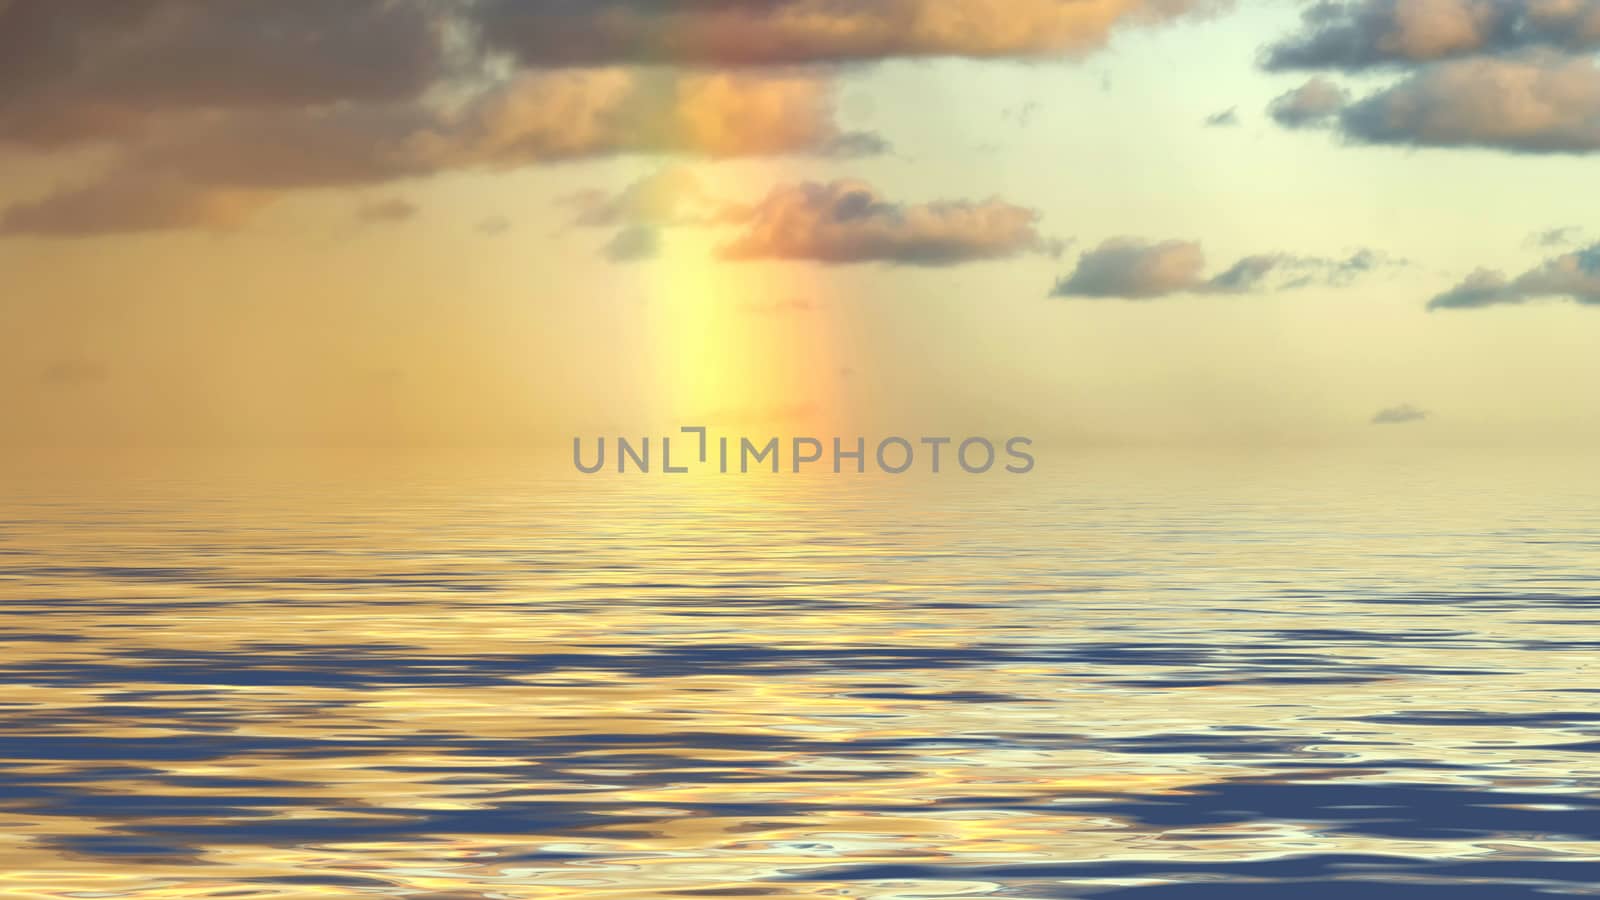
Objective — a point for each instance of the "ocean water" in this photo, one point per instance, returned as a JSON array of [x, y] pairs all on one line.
[[1121, 676]]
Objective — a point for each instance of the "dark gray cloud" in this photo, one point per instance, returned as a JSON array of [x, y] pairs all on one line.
[[846, 221], [734, 33], [1535, 102], [1311, 105], [635, 243], [83, 70], [1571, 276], [1368, 33], [87, 70], [1223, 119], [1403, 414], [1513, 75], [215, 172], [131, 203], [1540, 103], [214, 109], [1135, 269]]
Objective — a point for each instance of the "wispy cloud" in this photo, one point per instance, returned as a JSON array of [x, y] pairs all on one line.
[[671, 196], [1135, 269], [1564, 236], [1403, 414]]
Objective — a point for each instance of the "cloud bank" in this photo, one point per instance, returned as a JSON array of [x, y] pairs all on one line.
[[80, 70], [210, 111], [543, 33], [1362, 35], [1511, 75], [215, 172]]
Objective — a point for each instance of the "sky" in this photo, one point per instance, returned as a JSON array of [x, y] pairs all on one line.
[[1094, 222]]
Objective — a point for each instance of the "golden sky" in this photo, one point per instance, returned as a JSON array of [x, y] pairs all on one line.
[[486, 222]]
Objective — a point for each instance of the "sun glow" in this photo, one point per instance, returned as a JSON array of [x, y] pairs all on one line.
[[742, 345]]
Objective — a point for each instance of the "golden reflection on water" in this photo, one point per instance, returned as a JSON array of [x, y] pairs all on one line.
[[473, 678]]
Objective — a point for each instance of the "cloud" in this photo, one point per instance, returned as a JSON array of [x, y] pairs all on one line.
[[1022, 114], [1484, 287], [1532, 104], [562, 33], [84, 70], [198, 174], [1339, 272], [846, 222], [131, 203], [1564, 236], [1403, 414], [226, 105], [840, 222], [635, 243], [1227, 118], [1361, 35], [74, 70], [1311, 105], [1571, 276], [1135, 269], [673, 195], [543, 116], [393, 209]]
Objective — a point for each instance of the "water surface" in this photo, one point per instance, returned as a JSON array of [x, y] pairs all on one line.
[[1293, 675]]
